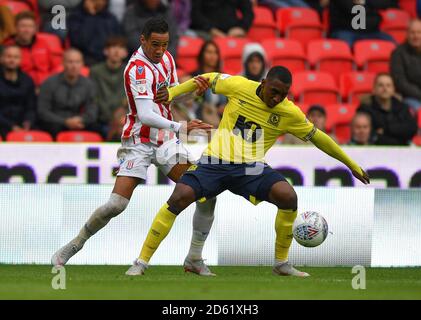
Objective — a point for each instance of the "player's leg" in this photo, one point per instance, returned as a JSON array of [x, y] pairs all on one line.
[[284, 197], [118, 201], [202, 223], [182, 196]]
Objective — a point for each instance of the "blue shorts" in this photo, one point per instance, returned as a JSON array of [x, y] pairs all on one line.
[[252, 181]]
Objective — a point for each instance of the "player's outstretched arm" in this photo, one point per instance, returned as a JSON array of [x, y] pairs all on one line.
[[325, 143], [201, 83]]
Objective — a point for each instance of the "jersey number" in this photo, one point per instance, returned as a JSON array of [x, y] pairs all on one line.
[[249, 130]]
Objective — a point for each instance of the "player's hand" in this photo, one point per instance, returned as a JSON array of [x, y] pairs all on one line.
[[202, 85], [364, 178], [196, 124], [162, 95]]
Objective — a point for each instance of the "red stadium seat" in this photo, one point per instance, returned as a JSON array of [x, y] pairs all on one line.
[[373, 55], [29, 136], [333, 56], [78, 136], [285, 52], [302, 24], [395, 22], [417, 140], [409, 6], [314, 87], [187, 52], [16, 6], [354, 84], [339, 117], [231, 53], [263, 26]]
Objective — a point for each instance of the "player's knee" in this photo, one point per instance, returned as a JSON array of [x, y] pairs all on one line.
[[181, 198], [291, 200], [116, 204]]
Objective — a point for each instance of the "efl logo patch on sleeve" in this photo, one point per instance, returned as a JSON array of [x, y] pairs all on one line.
[[141, 86]]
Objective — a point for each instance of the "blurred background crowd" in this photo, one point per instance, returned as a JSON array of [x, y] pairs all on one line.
[[362, 86]]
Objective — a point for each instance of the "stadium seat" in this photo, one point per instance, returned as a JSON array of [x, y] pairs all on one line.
[[263, 26], [29, 136], [395, 22], [328, 55], [314, 87], [15, 6], [285, 52], [302, 24], [354, 84], [78, 136], [339, 117], [417, 140], [187, 52], [419, 118], [409, 6], [231, 53], [373, 55], [55, 46]]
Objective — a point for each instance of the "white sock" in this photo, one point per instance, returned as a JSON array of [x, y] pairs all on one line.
[[202, 223]]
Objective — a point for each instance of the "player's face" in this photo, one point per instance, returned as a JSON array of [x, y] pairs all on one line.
[[155, 46], [274, 91]]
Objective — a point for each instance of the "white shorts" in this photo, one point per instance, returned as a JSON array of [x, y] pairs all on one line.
[[135, 159]]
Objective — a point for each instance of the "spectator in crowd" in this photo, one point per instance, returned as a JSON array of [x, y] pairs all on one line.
[[419, 8], [218, 18], [47, 15], [138, 13], [211, 106], [405, 66], [66, 100], [317, 115], [318, 5], [17, 93], [276, 4], [37, 59], [361, 134], [108, 78], [90, 25], [7, 23], [392, 121], [341, 20], [254, 62], [118, 120], [181, 10]]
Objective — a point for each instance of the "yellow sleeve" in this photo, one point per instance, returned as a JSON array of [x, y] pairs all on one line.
[[220, 83], [298, 125], [325, 143]]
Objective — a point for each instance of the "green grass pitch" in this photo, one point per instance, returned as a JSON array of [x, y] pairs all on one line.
[[171, 283]]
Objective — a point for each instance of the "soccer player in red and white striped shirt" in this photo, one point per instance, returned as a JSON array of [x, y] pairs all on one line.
[[149, 137]]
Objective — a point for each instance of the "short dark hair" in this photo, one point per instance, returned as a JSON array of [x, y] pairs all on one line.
[[155, 24], [23, 15], [116, 41], [281, 73], [318, 108]]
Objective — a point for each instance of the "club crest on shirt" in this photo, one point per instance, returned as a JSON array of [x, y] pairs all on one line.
[[130, 164], [274, 119], [140, 70]]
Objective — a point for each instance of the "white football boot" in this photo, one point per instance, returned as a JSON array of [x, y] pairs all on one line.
[[286, 269], [137, 269], [198, 267], [63, 254]]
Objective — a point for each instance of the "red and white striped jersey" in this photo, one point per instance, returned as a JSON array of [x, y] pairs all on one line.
[[142, 79]]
